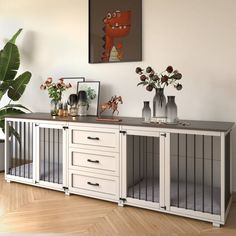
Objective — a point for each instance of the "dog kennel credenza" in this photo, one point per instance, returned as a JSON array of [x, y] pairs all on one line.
[[182, 169]]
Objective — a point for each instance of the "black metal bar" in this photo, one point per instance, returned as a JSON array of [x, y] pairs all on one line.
[[49, 132], [13, 165], [15, 151], [146, 168], [139, 140], [29, 150], [153, 169], [58, 157], [13, 140], [203, 174], [212, 169], [32, 148], [44, 159], [178, 170], [143, 157], [24, 133], [194, 172], [53, 156], [20, 135], [133, 167], [186, 173]]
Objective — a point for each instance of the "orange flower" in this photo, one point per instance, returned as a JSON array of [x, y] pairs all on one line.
[[43, 87], [49, 80], [68, 85], [61, 81]]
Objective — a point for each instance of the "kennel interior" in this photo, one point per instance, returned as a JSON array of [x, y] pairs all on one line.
[[20, 149], [195, 171], [143, 167], [21, 155], [51, 155]]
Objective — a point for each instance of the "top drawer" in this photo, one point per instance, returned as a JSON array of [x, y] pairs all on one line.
[[105, 139]]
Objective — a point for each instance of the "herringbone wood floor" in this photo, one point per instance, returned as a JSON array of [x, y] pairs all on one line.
[[30, 209]]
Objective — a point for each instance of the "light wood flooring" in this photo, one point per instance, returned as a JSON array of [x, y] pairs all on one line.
[[35, 210]]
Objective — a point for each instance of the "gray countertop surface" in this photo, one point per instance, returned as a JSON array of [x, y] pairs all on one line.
[[217, 126]]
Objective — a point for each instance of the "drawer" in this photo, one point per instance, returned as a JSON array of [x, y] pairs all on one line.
[[95, 138], [95, 161], [93, 184]]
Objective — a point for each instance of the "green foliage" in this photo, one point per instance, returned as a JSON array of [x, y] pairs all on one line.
[[55, 90], [9, 83]]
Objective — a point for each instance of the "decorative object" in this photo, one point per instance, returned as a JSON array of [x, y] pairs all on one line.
[[60, 109], [159, 104], [146, 112], [73, 103], [92, 89], [82, 103], [115, 31], [54, 107], [159, 81], [113, 105], [73, 90], [55, 91], [171, 110], [65, 110], [11, 85]]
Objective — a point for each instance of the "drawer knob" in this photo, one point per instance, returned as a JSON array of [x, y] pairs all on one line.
[[93, 184], [92, 138], [93, 161]]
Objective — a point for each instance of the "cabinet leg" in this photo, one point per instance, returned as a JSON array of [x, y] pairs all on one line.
[[217, 225], [67, 193], [121, 203], [8, 181]]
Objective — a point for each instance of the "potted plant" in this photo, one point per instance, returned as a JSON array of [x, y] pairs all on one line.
[[11, 84], [55, 91]]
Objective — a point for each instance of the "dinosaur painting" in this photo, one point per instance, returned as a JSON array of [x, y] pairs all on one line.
[[115, 31], [116, 26]]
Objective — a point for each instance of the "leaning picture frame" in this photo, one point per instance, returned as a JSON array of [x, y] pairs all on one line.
[[92, 89], [73, 90], [115, 31]]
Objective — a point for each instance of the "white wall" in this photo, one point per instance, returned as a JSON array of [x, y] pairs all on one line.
[[197, 37]]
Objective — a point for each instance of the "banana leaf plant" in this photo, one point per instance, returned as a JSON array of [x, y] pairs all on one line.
[[11, 83]]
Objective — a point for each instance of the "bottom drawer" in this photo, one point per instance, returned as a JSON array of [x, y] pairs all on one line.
[[94, 185]]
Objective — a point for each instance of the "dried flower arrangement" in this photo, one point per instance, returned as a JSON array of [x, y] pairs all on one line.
[[151, 79]]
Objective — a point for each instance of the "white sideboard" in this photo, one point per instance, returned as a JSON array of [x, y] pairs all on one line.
[[182, 169]]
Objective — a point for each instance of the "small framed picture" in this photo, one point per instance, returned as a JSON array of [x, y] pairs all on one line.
[[92, 89], [73, 90]]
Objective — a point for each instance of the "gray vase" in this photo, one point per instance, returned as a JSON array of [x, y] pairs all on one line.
[[171, 110], [146, 112], [159, 104]]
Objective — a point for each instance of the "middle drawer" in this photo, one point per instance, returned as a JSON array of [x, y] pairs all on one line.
[[94, 161]]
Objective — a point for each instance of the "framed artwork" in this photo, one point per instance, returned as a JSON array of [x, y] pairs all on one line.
[[73, 90], [92, 89], [115, 31]]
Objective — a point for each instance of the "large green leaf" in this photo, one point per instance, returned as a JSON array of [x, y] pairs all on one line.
[[9, 62], [18, 86], [9, 111], [15, 106], [13, 39], [4, 86]]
